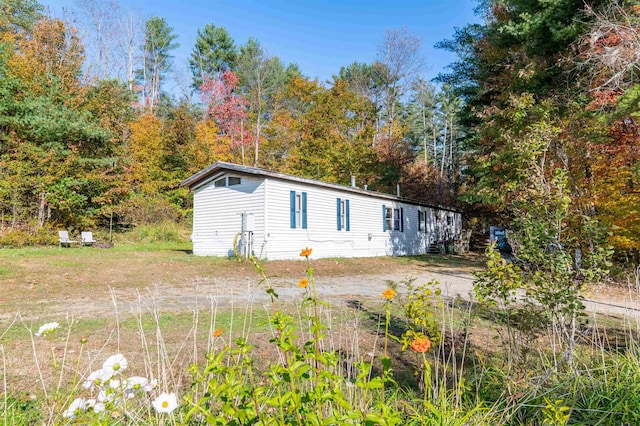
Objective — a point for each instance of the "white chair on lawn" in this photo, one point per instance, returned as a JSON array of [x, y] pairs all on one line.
[[87, 238], [63, 239]]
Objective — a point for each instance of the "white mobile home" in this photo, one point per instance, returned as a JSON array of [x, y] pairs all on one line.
[[250, 211]]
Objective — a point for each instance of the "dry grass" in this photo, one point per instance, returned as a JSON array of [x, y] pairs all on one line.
[[39, 280], [51, 284], [107, 297]]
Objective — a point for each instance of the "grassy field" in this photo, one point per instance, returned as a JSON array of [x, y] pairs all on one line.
[[91, 288], [35, 279], [480, 371]]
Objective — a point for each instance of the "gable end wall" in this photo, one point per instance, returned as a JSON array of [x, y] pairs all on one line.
[[217, 215]]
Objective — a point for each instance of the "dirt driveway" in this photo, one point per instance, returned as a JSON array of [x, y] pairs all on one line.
[[240, 290], [341, 289], [43, 283], [46, 283]]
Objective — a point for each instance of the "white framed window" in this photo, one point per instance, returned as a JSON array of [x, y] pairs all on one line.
[[227, 181], [342, 214], [388, 217], [422, 222], [298, 209], [393, 219], [397, 219]]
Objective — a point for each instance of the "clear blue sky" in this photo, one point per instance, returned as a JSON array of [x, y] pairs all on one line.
[[319, 35]]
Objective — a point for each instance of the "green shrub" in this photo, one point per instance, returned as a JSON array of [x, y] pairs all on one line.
[[163, 232], [25, 237], [146, 210]]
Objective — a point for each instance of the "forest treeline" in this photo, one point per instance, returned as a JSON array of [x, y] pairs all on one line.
[[550, 93], [534, 125], [90, 130]]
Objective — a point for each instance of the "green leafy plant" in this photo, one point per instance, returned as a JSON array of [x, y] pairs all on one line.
[[305, 386], [555, 413]]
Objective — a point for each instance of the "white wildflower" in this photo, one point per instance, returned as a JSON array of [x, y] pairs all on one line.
[[165, 402], [151, 385], [47, 328], [97, 378], [92, 404], [116, 363], [135, 384], [107, 395], [76, 406]]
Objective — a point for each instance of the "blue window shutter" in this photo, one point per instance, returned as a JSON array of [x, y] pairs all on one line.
[[384, 217], [346, 207], [304, 210], [338, 212], [293, 209], [401, 219]]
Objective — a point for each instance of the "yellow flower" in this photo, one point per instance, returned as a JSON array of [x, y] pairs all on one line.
[[306, 252], [421, 344], [388, 294], [218, 332], [303, 283]]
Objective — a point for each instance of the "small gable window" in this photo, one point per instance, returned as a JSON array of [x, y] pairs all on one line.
[[227, 181]]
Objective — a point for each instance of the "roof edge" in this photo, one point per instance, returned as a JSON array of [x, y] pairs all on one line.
[[203, 175]]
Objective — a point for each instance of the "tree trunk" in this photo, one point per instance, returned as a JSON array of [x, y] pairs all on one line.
[[424, 142], [435, 144], [451, 147], [42, 210], [257, 142], [444, 150]]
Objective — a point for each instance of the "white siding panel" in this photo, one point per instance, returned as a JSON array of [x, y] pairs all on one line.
[[366, 236], [217, 216], [217, 221]]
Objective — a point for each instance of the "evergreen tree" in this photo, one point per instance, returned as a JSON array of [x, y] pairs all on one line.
[[213, 53]]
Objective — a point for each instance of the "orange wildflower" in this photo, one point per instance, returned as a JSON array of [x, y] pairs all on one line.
[[218, 332], [306, 252], [388, 294], [303, 283], [421, 344]]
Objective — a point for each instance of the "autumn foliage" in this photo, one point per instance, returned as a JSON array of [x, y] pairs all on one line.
[[539, 91]]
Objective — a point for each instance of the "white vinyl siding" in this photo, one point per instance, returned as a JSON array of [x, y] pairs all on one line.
[[377, 226], [366, 236], [217, 215]]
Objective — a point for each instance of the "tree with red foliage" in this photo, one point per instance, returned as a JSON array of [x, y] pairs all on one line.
[[228, 108]]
